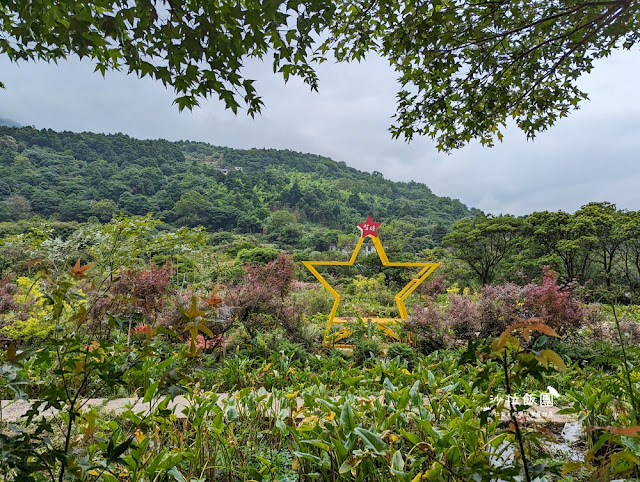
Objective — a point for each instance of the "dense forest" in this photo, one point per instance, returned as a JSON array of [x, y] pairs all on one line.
[[596, 248], [90, 177]]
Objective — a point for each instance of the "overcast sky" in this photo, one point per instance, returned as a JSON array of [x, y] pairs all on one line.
[[590, 156]]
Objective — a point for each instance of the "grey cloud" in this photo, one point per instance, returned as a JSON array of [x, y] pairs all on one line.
[[591, 155]]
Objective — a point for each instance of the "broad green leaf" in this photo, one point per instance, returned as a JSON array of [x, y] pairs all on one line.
[[151, 392], [347, 421], [411, 437], [350, 464], [232, 414], [308, 456], [351, 381], [397, 462], [372, 441]]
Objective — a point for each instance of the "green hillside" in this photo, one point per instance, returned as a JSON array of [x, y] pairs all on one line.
[[78, 176]]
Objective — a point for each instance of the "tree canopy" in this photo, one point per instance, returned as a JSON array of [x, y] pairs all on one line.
[[198, 48], [466, 68]]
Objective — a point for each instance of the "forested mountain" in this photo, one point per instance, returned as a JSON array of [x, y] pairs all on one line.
[[71, 176]]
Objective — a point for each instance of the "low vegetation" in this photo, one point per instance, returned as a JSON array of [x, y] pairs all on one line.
[[133, 308]]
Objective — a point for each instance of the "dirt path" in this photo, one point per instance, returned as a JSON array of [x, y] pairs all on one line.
[[12, 411]]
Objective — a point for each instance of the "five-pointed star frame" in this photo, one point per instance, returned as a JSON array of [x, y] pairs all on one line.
[[370, 228]]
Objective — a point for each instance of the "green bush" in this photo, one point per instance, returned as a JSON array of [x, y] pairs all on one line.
[[257, 255], [366, 349], [312, 301], [242, 245], [402, 350], [294, 351], [596, 355]]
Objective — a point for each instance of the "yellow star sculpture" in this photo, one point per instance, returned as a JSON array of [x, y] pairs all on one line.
[[369, 228]]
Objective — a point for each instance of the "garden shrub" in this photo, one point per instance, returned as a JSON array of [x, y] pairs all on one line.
[[215, 320], [308, 299], [402, 350], [141, 294], [433, 287], [30, 321], [558, 305], [599, 321], [597, 355], [462, 316], [596, 323], [499, 306], [234, 250], [7, 290], [296, 352], [257, 255], [259, 301], [263, 343], [496, 307], [172, 316], [428, 325], [631, 330], [309, 332], [370, 297], [366, 349]]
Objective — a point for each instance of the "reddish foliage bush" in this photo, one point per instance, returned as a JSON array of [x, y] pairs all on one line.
[[428, 325], [7, 290], [559, 306], [499, 306], [462, 316], [258, 302], [433, 286], [144, 292], [147, 287]]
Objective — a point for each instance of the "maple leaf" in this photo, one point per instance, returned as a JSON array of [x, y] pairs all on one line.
[[213, 299], [92, 346], [77, 271], [150, 332], [193, 312], [33, 263], [527, 326], [13, 355]]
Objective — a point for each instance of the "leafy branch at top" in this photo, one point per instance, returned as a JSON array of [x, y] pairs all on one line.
[[466, 68]]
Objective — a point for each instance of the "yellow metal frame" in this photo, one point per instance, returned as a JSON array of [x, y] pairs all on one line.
[[400, 297]]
